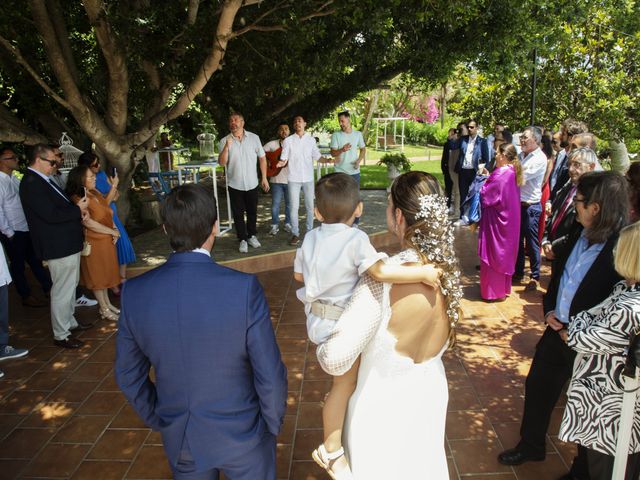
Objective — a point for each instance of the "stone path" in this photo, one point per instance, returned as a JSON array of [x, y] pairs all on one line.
[[62, 416]]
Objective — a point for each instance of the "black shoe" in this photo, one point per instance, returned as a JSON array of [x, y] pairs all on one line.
[[515, 279], [513, 456], [69, 342], [81, 327]]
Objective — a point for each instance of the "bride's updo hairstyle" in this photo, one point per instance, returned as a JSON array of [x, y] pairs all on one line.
[[419, 197]]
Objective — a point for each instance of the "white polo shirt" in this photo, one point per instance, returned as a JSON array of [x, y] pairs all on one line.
[[300, 153], [534, 166], [242, 161]]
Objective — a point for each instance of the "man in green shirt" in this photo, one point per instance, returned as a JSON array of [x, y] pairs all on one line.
[[347, 148]]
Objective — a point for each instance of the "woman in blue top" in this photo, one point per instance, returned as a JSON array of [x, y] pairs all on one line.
[[109, 188]]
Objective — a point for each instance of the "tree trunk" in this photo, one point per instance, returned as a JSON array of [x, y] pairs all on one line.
[[619, 156], [370, 108], [443, 103]]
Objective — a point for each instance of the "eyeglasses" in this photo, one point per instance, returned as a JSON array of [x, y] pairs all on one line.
[[471, 127], [579, 200], [13, 157], [53, 163], [95, 165]]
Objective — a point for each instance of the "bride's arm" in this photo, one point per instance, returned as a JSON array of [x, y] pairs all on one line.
[[355, 328]]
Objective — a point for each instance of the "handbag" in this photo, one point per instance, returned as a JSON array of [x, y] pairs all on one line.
[[86, 249]]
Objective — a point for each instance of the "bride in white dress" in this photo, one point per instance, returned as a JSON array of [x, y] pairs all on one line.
[[396, 418]]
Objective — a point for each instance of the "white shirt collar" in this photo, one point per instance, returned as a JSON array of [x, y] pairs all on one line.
[[202, 250]]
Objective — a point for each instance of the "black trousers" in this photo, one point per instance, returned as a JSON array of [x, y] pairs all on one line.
[[20, 251], [465, 179], [244, 202], [550, 370], [448, 183], [601, 465]]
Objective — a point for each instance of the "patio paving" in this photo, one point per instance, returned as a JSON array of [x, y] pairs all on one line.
[[62, 416]]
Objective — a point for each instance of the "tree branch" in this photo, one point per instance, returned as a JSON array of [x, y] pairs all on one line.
[[321, 12], [118, 88], [22, 61], [78, 105], [59, 24], [192, 11], [211, 63], [13, 130]]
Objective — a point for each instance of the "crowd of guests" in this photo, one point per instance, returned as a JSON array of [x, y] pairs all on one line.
[[67, 219]]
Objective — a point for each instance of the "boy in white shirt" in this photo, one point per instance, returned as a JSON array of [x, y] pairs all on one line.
[[329, 262]]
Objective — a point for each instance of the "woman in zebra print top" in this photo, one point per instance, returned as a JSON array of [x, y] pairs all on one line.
[[600, 335]]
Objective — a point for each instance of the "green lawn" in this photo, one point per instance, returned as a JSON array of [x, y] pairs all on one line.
[[375, 176], [411, 151]]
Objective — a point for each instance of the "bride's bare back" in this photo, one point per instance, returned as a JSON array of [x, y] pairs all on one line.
[[418, 321]]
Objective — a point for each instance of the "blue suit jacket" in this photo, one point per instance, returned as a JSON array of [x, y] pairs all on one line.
[[219, 378], [480, 152]]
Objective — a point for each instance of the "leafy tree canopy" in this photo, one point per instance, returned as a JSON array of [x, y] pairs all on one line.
[[588, 68]]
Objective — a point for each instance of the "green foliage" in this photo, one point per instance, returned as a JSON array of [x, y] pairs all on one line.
[[424, 133], [588, 68], [396, 159]]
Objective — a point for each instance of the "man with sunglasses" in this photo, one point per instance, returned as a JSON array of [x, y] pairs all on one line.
[[14, 233], [59, 178], [55, 223], [473, 151]]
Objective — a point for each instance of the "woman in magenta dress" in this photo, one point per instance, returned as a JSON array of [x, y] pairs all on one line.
[[500, 225]]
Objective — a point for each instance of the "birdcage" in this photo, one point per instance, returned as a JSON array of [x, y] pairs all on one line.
[[207, 143], [69, 152]]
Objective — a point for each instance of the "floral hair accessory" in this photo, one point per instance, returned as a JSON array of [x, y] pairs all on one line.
[[433, 237]]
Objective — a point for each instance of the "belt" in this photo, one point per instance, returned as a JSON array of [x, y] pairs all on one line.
[[527, 204], [326, 311]]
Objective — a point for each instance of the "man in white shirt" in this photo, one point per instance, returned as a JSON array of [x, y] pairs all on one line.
[[299, 151], [279, 182], [6, 351], [239, 152], [15, 233], [534, 165]]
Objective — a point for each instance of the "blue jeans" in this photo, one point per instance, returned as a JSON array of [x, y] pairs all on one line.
[[294, 201], [356, 177], [529, 219], [278, 192]]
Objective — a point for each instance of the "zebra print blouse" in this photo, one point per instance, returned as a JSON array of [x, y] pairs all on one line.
[[600, 336]]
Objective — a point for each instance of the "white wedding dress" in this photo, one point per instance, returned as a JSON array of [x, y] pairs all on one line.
[[396, 418]]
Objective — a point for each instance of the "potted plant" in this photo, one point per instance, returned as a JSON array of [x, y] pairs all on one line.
[[396, 163]]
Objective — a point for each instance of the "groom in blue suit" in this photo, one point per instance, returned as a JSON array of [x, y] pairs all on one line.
[[220, 388]]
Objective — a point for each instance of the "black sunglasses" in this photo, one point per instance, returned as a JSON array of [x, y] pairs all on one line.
[[53, 163]]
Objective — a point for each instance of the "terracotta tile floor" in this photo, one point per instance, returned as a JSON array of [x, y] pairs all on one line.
[[62, 416]]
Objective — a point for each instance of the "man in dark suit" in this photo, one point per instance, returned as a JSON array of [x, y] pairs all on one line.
[[583, 276], [560, 173], [220, 392], [563, 212], [55, 223], [473, 151]]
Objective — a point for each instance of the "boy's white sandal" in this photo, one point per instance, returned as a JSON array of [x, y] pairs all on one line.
[[326, 461]]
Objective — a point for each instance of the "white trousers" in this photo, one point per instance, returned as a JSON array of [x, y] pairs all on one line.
[[65, 273]]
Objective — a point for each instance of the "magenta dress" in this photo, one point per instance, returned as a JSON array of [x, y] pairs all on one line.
[[499, 232]]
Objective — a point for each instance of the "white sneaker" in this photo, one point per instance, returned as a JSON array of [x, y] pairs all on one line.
[[85, 302], [253, 241], [288, 228], [274, 230], [244, 248]]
